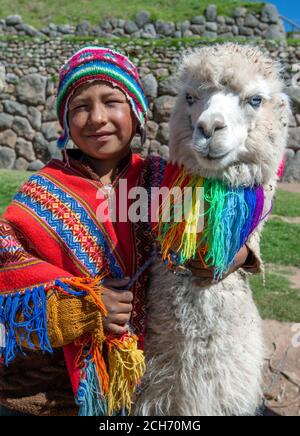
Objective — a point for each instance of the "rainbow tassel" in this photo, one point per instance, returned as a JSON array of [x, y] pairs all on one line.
[[230, 215]]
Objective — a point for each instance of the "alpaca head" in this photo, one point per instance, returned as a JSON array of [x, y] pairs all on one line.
[[230, 119]]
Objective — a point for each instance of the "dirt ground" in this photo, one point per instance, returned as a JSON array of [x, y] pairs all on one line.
[[290, 187], [282, 367], [282, 362]]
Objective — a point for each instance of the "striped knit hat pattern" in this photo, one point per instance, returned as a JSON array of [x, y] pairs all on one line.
[[99, 63]]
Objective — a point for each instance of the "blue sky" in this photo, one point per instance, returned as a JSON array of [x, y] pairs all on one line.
[[288, 8]]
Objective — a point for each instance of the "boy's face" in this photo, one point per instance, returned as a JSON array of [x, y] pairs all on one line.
[[101, 121]]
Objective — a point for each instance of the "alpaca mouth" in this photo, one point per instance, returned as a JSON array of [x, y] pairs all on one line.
[[216, 157], [212, 157]]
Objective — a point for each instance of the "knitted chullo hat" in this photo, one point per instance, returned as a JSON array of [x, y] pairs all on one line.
[[100, 63]]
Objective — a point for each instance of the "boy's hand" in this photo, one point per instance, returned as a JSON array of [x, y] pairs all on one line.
[[204, 276], [117, 301]]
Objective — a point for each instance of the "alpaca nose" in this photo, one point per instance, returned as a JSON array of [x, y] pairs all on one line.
[[208, 126]]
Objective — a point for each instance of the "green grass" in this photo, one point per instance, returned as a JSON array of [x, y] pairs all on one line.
[[40, 12], [286, 204], [10, 181], [277, 300], [280, 243], [293, 41]]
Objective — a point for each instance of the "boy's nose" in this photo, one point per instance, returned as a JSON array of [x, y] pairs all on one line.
[[98, 115]]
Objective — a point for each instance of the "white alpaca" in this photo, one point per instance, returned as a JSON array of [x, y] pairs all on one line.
[[204, 347]]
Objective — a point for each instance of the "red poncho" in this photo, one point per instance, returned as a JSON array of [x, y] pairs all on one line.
[[51, 239]]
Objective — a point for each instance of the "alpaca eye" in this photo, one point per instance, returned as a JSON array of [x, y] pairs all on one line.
[[190, 99], [255, 101]]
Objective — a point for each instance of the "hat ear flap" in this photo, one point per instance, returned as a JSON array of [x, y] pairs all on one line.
[[143, 134], [141, 131], [63, 140]]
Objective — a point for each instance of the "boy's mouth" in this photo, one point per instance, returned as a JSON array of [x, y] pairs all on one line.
[[102, 135]]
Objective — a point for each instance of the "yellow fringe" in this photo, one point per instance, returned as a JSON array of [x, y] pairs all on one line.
[[190, 237], [182, 236], [126, 367], [172, 240]]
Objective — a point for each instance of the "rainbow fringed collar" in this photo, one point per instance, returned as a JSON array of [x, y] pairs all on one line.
[[229, 216]]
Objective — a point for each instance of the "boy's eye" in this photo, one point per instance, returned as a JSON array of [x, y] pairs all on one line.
[[113, 101], [79, 107]]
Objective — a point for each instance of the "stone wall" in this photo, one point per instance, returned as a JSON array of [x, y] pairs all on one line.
[[28, 73], [243, 23]]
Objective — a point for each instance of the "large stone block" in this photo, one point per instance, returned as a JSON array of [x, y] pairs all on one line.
[[7, 158], [32, 89], [163, 107], [294, 138], [211, 13]]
